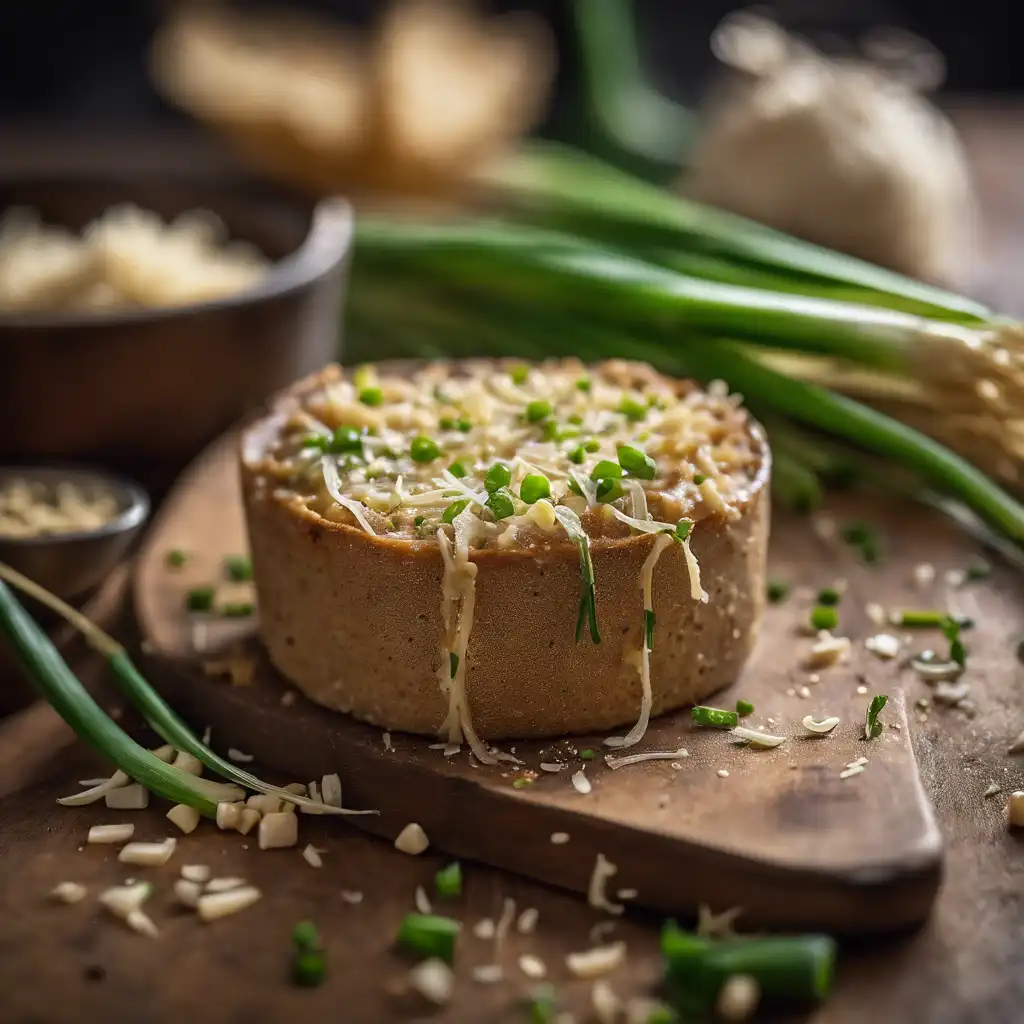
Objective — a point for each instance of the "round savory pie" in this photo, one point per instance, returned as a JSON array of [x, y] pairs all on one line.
[[483, 550]]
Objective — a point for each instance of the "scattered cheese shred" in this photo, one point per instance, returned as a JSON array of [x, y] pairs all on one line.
[[212, 906], [650, 755], [412, 839], [824, 726], [755, 738], [604, 869], [594, 962], [532, 966], [581, 783], [311, 855], [148, 854], [433, 979], [422, 901], [69, 892], [112, 834], [527, 922]]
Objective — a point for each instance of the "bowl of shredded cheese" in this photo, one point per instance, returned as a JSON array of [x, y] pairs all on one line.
[[140, 318], [67, 529]]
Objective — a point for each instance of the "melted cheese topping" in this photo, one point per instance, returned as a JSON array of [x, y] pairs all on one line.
[[479, 455]]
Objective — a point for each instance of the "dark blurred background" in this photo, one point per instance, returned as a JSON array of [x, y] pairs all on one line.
[[81, 62]]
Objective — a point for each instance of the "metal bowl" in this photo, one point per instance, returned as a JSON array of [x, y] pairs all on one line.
[[142, 391], [72, 564]]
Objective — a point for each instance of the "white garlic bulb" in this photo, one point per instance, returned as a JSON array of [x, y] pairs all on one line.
[[845, 153]]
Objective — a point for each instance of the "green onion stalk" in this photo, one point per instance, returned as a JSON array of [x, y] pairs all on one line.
[[473, 288]]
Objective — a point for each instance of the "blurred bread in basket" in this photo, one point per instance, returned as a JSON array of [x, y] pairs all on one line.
[[436, 92]]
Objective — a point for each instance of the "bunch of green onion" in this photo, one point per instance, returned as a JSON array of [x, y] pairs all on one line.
[[853, 369]]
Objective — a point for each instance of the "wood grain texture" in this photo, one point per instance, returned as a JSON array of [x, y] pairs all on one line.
[[783, 835]]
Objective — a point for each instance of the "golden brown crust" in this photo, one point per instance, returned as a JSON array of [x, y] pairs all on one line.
[[354, 620]]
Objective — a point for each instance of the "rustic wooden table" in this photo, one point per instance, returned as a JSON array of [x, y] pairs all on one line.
[[70, 963]]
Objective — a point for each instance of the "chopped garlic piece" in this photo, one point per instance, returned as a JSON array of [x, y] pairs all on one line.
[[1015, 810], [484, 928], [422, 901], [532, 966], [527, 922], [581, 783], [412, 839], [127, 798], [121, 900], [883, 645], [330, 790], [69, 892], [265, 803], [278, 831], [185, 817], [220, 904], [249, 820], [229, 815], [187, 893], [311, 855], [433, 979], [90, 796], [924, 574], [224, 884], [553, 766], [876, 613], [296, 789], [605, 1003], [188, 763], [828, 650], [148, 854], [559, 838], [195, 872], [723, 773], [237, 755], [139, 921], [825, 725], [597, 961], [113, 834], [488, 974], [738, 998], [604, 869], [349, 896]]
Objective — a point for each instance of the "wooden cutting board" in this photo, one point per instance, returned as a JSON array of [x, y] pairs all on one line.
[[778, 831]]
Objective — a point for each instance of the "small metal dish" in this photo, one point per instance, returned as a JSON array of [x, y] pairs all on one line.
[[74, 563]]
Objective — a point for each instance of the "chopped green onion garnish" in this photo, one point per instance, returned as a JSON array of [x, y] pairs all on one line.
[[951, 631], [346, 439], [583, 384], [542, 1005], [454, 509], [237, 609], [777, 591], [448, 881], [538, 410], [587, 609], [592, 446], [501, 504], [371, 396], [199, 599], [364, 377], [872, 726], [863, 537], [420, 520], [498, 476], [927, 618], [522, 783], [978, 571], [308, 968], [683, 528], [829, 596], [633, 410], [609, 490], [744, 708], [587, 755], [429, 935], [699, 478], [606, 470], [798, 967], [453, 663], [534, 487], [457, 469], [238, 568], [824, 617], [305, 936], [717, 718], [423, 449], [519, 373], [447, 423], [649, 629], [176, 559], [575, 419], [637, 463], [577, 454]]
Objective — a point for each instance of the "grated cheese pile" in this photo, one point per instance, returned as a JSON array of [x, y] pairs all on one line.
[[489, 456]]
